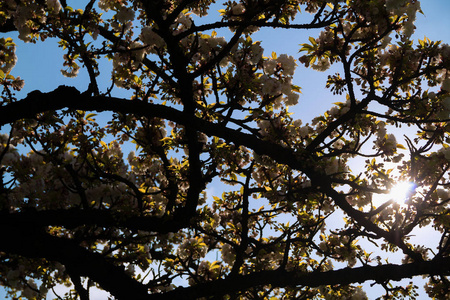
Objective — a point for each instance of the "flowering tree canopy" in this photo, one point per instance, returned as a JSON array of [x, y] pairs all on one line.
[[187, 177]]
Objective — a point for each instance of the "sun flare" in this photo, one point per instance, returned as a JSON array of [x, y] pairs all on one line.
[[401, 192]]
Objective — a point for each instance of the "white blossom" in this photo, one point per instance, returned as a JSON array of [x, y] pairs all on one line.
[[54, 5], [270, 66], [442, 194], [30, 291], [322, 65], [303, 131], [238, 9], [228, 255], [18, 83], [386, 142], [215, 42], [105, 5], [125, 14], [393, 4], [182, 23], [270, 86], [287, 64], [385, 41], [446, 84], [130, 269], [192, 248], [292, 99], [445, 152], [13, 275], [297, 123], [22, 17], [256, 53], [359, 294], [71, 71], [332, 166], [264, 126], [139, 53], [10, 158], [381, 132], [8, 54], [151, 38]]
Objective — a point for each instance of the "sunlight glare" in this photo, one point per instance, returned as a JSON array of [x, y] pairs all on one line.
[[402, 191]]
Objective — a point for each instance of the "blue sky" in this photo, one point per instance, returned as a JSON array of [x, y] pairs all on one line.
[[40, 66]]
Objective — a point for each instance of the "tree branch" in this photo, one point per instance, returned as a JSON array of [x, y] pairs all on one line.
[[32, 242], [281, 278], [74, 217]]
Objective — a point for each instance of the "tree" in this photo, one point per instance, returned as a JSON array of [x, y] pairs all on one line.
[[79, 207]]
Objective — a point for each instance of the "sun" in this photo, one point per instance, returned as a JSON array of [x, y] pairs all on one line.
[[401, 192]]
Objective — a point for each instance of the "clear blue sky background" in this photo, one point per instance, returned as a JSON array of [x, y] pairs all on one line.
[[40, 65]]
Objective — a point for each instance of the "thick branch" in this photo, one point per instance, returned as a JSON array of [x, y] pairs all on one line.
[[281, 278], [30, 242], [71, 218], [8, 26]]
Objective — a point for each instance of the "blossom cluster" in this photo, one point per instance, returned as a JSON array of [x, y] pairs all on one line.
[[387, 143], [8, 56], [277, 80], [193, 248]]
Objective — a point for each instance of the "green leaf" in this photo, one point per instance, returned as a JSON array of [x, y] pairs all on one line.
[[90, 116]]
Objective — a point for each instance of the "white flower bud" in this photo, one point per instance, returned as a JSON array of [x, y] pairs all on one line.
[[54, 5]]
